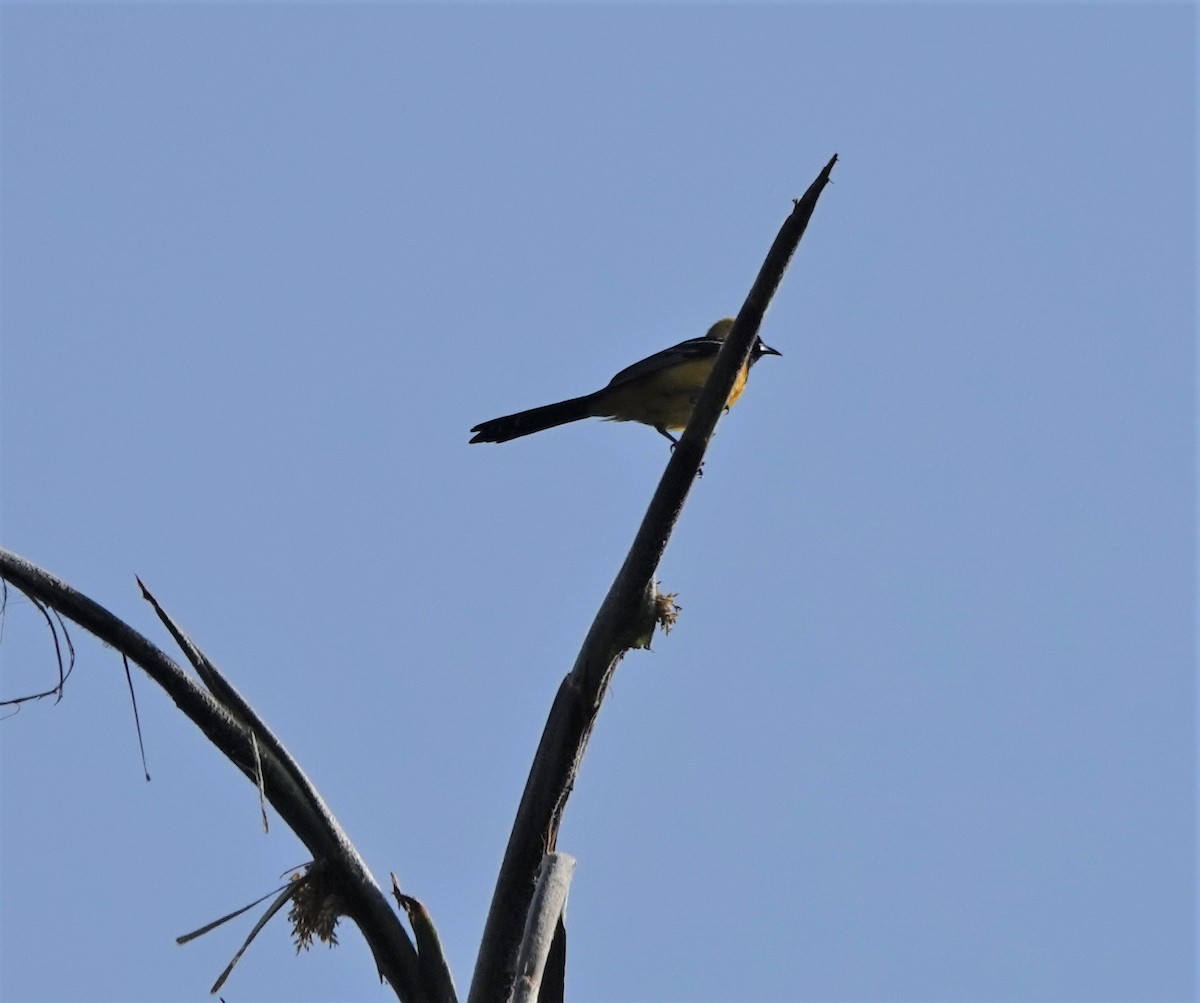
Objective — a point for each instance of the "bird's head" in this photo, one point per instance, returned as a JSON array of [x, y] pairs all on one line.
[[722, 328]]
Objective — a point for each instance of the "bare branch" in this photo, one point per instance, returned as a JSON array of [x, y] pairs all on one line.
[[234, 728], [619, 625], [542, 925], [434, 966]]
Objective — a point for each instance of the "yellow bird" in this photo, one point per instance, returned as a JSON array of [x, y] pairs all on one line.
[[659, 391]]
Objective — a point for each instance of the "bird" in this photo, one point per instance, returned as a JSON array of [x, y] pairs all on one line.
[[660, 391]]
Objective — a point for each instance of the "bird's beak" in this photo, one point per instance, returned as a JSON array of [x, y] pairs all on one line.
[[765, 349]]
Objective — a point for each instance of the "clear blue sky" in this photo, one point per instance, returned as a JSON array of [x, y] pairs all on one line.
[[926, 728]]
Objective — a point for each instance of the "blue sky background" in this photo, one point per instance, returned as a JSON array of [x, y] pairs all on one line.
[[926, 728]]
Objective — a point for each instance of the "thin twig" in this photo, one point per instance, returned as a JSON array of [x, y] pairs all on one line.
[[209, 927], [281, 900], [55, 623], [137, 722]]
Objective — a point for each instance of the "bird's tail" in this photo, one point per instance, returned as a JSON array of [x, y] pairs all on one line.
[[513, 426]]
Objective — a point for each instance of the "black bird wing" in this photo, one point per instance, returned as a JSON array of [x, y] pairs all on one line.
[[685, 351]]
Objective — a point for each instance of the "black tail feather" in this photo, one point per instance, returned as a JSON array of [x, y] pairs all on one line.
[[513, 426]]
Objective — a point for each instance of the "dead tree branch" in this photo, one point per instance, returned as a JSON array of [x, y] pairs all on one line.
[[621, 621], [240, 734]]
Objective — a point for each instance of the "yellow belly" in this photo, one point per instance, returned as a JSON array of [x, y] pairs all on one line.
[[664, 399]]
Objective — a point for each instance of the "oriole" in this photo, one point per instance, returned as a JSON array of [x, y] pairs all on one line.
[[659, 391]]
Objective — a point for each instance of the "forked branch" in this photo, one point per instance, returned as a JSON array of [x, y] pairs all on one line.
[[240, 734]]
